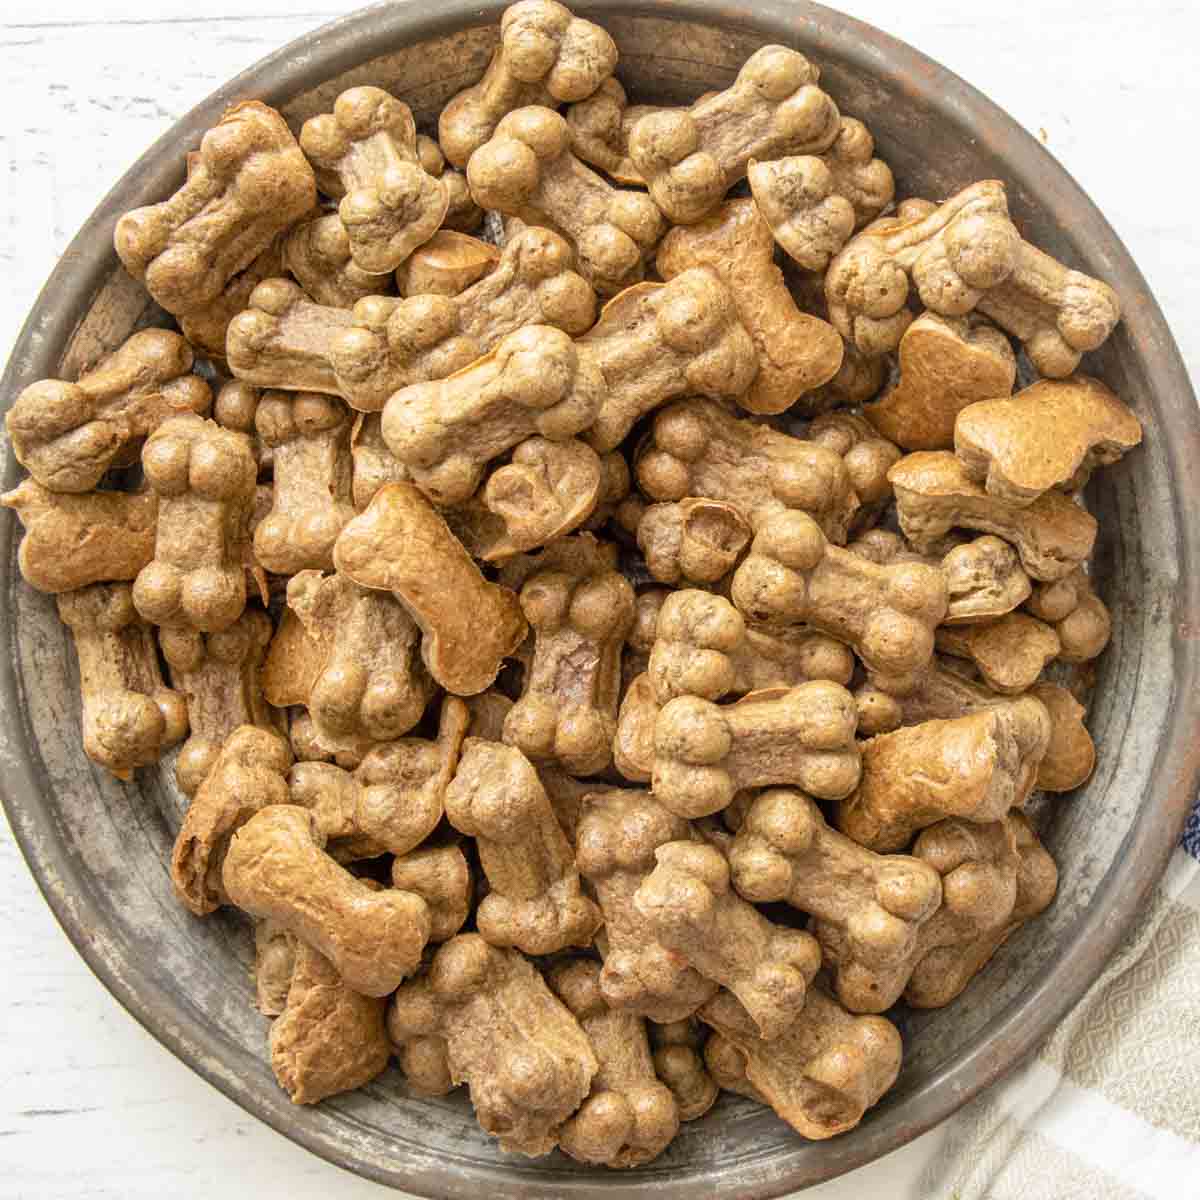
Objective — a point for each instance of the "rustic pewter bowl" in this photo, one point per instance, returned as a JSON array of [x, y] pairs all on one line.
[[100, 850]]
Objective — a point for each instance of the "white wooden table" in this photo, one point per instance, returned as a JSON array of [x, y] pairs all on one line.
[[90, 1105]]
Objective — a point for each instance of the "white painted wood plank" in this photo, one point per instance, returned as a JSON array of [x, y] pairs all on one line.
[[92, 1106]]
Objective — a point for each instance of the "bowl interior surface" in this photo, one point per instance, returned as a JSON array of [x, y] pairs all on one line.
[[101, 849]]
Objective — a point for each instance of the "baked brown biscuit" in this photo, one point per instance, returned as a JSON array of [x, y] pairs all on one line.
[[446, 265], [976, 767], [691, 157], [248, 182], [219, 677], [129, 715], [318, 253], [309, 438], [567, 711], [275, 866], [796, 352], [946, 364], [804, 736], [274, 963], [67, 435], [1051, 435], [1010, 653], [392, 802], [699, 448], [484, 1016], [546, 56], [875, 904], [617, 836], [820, 1075], [692, 540], [934, 494], [328, 1038], [441, 876], [535, 902], [628, 1118], [365, 155], [528, 170], [79, 538], [679, 1063], [249, 774], [400, 544], [690, 907], [205, 479], [1079, 617]]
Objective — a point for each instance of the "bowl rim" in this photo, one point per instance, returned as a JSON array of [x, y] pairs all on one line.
[[1016, 1032]]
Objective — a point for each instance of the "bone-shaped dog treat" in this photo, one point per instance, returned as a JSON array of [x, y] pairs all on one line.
[[813, 204], [249, 182], [726, 1064], [535, 902], [129, 715], [568, 706], [447, 265], [984, 577], [489, 1017], [365, 153], [1080, 618], [400, 544], [528, 170], [219, 676], [679, 1064], [963, 255], [309, 437], [68, 434], [804, 736], [294, 660], [205, 478], [934, 494], [600, 128], [274, 964], [372, 686], [275, 866], [655, 342], [946, 364], [317, 253], [692, 541], [868, 457], [704, 648], [628, 1118], [248, 775], [691, 157], [689, 906], [75, 539], [615, 842], [373, 463], [1009, 652], [796, 352], [1051, 435], [546, 491], [441, 876], [394, 344], [1071, 754], [996, 877], [283, 340], [823, 1073], [536, 381], [463, 215], [877, 904], [207, 327], [329, 1038], [633, 744], [394, 799], [888, 614], [976, 767], [698, 448], [546, 56], [235, 408]]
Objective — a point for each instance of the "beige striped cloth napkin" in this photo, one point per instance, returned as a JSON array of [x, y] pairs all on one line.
[[1110, 1107]]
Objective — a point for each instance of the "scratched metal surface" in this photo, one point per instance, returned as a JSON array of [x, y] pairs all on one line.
[[122, 834]]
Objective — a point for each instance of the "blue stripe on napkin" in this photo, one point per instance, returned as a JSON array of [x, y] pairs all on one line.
[[1191, 833]]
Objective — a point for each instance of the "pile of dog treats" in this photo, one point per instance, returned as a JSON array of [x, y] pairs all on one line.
[[533, 609]]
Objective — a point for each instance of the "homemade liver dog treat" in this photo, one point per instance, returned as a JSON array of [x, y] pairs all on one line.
[[451, 478]]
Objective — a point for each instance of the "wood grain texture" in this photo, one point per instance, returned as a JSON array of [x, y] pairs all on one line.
[[92, 1106]]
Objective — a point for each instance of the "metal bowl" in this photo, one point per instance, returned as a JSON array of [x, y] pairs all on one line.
[[100, 850]]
